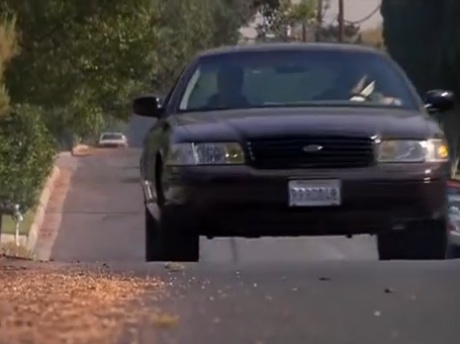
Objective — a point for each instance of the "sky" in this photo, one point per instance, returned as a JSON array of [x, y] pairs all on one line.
[[354, 10]]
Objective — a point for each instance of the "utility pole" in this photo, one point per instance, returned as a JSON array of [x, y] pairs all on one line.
[[341, 21], [319, 20]]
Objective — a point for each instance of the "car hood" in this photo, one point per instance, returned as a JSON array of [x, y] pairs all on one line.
[[260, 123]]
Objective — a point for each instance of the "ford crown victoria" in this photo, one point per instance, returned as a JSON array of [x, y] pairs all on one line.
[[295, 140]]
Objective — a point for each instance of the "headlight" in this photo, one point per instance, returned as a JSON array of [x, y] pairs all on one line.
[[209, 153], [406, 151]]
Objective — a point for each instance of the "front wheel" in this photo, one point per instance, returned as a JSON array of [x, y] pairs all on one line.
[[454, 252], [421, 241], [172, 239]]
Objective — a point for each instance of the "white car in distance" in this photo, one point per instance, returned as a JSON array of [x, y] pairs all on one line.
[[114, 140]]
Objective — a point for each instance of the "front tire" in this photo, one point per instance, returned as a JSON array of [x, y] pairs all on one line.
[[454, 252], [172, 239], [151, 238], [421, 241]]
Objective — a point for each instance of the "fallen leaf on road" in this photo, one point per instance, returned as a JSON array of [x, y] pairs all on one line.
[[165, 320], [57, 305], [174, 266]]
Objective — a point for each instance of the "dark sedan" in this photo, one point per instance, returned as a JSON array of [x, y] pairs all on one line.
[[295, 140]]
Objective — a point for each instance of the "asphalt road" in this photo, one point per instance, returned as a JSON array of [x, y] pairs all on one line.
[[322, 290]]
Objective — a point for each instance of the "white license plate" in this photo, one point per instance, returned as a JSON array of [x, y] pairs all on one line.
[[314, 193]]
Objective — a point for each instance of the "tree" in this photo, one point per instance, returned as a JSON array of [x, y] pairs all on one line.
[[191, 31], [412, 32], [80, 56], [282, 16], [8, 49], [26, 151], [373, 37], [330, 33], [84, 60], [26, 156], [423, 37]]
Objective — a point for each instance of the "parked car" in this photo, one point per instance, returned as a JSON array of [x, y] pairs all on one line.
[[295, 140], [454, 218], [112, 140]]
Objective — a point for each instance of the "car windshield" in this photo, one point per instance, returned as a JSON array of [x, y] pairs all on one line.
[[295, 78], [112, 137]]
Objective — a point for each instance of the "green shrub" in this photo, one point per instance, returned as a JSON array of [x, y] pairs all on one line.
[[26, 156]]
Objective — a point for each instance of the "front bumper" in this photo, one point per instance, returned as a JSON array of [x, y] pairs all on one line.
[[112, 144], [239, 200]]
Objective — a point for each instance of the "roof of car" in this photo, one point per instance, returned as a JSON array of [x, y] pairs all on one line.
[[267, 47]]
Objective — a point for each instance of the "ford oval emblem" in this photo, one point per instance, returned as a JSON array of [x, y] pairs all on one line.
[[312, 148]]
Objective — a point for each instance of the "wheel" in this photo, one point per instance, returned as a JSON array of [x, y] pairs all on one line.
[[421, 241], [172, 239], [453, 252], [151, 238]]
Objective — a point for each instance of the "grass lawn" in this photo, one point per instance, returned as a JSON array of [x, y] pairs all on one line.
[[9, 226]]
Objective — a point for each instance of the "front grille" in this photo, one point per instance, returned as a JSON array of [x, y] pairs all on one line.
[[335, 152]]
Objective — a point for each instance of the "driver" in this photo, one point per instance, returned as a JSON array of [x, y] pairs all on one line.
[[229, 89]]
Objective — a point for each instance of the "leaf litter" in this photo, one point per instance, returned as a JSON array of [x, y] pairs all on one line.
[[42, 303]]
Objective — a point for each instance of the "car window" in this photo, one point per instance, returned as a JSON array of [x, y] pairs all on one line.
[[112, 137], [256, 79]]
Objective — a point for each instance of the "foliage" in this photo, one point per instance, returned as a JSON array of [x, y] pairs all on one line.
[[80, 56], [413, 34], [282, 15], [373, 37], [424, 38], [84, 60], [330, 33], [26, 155], [245, 9], [8, 49], [26, 151], [79, 63]]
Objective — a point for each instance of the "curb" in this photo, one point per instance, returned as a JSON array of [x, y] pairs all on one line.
[[31, 239], [41, 208], [9, 238]]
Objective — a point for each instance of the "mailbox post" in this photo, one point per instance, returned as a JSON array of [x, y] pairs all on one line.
[[14, 210]]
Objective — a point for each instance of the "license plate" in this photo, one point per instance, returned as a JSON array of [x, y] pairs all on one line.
[[314, 193]]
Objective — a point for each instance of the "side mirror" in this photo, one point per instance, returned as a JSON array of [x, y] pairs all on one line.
[[148, 106], [439, 101]]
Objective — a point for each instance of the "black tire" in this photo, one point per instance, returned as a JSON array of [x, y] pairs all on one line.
[[151, 238], [454, 252], [428, 241], [173, 239]]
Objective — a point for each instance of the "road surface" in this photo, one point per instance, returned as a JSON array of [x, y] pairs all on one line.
[[322, 290]]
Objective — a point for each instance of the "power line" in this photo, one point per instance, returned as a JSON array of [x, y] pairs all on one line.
[[367, 17]]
